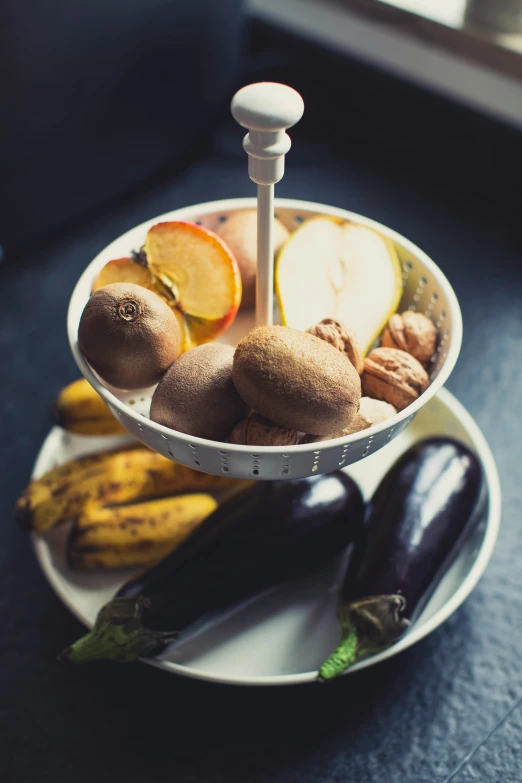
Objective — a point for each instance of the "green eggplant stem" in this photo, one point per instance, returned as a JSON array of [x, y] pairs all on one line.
[[367, 626], [345, 654], [118, 634]]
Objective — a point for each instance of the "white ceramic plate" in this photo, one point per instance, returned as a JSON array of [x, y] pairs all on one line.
[[281, 638]]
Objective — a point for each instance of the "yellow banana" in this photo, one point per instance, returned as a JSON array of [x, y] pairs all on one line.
[[50, 494], [135, 535], [79, 408], [109, 478]]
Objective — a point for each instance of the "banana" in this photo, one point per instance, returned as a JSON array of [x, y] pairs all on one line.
[[109, 478], [79, 408], [50, 494], [135, 535]]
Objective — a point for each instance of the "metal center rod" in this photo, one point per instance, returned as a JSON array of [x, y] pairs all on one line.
[[265, 255]]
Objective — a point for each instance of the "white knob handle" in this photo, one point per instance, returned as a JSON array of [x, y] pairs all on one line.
[[267, 109]]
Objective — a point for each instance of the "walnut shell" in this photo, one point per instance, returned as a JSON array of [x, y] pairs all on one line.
[[413, 333], [370, 412], [333, 332], [394, 376], [256, 430]]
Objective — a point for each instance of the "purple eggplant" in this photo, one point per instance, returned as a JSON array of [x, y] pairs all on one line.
[[419, 516], [268, 534]]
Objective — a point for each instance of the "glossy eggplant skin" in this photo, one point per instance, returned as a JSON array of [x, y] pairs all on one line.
[[418, 518], [270, 533]]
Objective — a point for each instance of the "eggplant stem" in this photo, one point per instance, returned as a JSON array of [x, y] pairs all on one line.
[[368, 626], [118, 634], [343, 656]]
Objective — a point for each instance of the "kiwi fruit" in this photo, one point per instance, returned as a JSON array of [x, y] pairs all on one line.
[[297, 380], [239, 232], [197, 395], [129, 335]]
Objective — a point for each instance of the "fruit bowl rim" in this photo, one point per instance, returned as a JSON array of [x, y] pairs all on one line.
[[194, 212]]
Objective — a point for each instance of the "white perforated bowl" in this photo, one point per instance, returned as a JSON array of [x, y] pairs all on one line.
[[426, 290]]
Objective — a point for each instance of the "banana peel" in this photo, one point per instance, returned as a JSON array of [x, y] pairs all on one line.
[[129, 507], [135, 535], [80, 409], [111, 478]]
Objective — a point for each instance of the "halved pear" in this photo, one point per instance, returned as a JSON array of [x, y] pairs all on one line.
[[331, 268]]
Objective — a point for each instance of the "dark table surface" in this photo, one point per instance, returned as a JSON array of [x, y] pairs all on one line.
[[448, 709]]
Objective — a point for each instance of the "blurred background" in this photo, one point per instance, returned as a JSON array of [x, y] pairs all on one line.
[[102, 97]]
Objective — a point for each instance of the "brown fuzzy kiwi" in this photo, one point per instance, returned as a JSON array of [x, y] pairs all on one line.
[[296, 380], [129, 335], [239, 232], [197, 395]]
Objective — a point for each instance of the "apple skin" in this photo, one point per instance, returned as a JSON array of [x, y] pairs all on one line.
[[124, 270], [196, 329], [239, 232]]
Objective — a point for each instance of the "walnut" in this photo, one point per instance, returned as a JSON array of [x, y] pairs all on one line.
[[413, 333], [333, 332], [370, 412], [255, 430], [315, 438], [394, 376]]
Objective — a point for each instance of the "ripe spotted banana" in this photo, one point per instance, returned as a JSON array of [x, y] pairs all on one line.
[[135, 535], [109, 478], [79, 408]]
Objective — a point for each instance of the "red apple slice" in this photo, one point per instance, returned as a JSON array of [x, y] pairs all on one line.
[[198, 274], [124, 270]]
